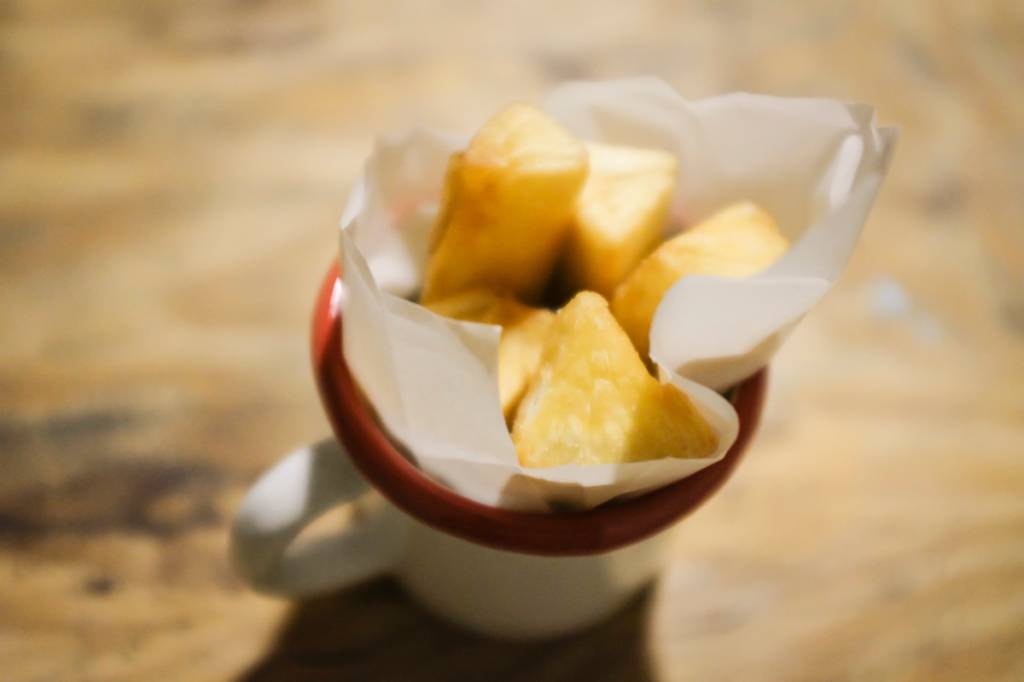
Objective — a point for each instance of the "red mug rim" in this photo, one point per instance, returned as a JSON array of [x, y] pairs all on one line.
[[602, 529]]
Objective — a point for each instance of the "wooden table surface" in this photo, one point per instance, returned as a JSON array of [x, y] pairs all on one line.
[[172, 174]]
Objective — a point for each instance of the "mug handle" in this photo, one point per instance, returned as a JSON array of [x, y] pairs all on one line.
[[286, 499]]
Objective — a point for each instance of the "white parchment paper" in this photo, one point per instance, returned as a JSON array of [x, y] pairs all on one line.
[[814, 164]]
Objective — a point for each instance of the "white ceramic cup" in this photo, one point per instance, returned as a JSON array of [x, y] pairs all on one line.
[[499, 572]]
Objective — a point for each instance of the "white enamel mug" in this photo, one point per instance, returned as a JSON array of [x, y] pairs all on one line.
[[496, 571]]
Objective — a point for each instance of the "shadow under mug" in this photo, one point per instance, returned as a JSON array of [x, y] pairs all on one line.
[[493, 570]]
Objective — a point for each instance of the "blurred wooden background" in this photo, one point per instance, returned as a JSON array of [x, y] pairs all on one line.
[[171, 174]]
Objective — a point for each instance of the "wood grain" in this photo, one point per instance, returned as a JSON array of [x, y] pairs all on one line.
[[172, 175]]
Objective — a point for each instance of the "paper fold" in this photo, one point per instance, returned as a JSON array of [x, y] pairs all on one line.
[[815, 165]]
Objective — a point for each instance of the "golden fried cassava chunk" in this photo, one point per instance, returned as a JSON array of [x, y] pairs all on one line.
[[507, 202], [738, 241], [522, 337], [593, 402], [619, 215]]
